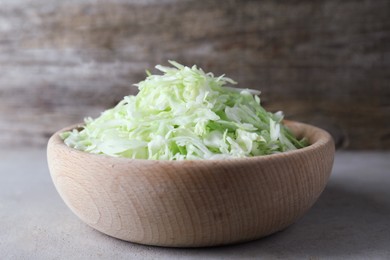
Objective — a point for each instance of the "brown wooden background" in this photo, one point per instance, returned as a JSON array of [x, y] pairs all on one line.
[[322, 62]]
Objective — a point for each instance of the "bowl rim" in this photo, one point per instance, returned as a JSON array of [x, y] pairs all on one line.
[[323, 138]]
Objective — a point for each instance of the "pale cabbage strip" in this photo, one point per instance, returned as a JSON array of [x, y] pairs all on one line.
[[185, 114]]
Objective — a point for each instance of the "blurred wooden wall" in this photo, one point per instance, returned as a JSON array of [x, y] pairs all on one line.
[[322, 62]]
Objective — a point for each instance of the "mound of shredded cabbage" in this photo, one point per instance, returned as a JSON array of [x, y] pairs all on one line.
[[185, 114]]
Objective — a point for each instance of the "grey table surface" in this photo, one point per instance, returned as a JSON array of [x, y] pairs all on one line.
[[351, 219]]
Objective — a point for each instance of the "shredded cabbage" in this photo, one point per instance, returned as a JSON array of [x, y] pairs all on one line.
[[185, 114]]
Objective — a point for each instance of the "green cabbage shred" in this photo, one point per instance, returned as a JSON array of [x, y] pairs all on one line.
[[185, 114]]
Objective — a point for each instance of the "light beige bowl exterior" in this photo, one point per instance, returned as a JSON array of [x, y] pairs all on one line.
[[192, 203]]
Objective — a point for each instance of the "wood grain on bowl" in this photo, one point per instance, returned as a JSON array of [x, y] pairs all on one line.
[[192, 203]]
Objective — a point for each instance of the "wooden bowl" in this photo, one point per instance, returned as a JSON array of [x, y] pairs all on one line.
[[192, 203]]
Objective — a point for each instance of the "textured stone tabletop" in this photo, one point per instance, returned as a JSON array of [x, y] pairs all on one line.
[[351, 220]]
